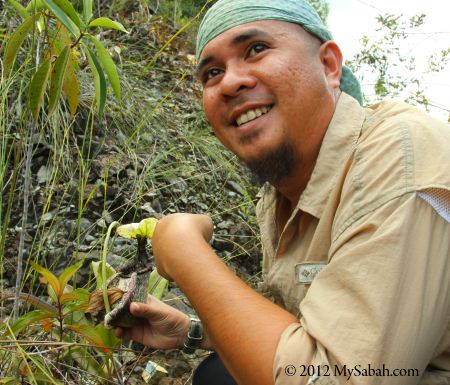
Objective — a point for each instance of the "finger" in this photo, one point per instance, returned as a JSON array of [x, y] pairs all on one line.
[[118, 332], [135, 333], [123, 333], [153, 311]]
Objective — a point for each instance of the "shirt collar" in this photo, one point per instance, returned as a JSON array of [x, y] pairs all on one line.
[[338, 142]]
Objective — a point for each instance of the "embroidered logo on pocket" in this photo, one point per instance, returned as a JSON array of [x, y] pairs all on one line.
[[306, 272]]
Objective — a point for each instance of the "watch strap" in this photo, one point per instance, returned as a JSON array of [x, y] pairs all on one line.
[[194, 337]]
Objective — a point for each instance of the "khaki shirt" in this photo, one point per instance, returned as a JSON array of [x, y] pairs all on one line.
[[371, 223]]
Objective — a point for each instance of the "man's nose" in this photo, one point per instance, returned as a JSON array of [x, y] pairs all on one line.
[[236, 79]]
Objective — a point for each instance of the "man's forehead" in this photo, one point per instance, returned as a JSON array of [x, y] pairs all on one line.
[[236, 36], [244, 32]]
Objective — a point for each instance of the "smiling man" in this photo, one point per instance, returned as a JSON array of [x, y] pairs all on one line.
[[354, 218]]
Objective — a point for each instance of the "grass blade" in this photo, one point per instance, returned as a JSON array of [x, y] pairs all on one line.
[[157, 285], [58, 75], [8, 381], [108, 23], [19, 8], [37, 88], [15, 41], [108, 66]]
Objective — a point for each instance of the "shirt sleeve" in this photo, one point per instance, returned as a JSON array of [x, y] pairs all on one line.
[[376, 313]]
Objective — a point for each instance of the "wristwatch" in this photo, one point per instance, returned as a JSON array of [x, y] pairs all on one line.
[[194, 336]]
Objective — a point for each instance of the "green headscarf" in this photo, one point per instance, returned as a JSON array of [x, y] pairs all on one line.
[[226, 14]]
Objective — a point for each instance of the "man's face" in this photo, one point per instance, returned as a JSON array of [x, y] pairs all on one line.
[[264, 87]]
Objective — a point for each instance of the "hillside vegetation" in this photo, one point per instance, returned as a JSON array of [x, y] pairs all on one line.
[[65, 179]]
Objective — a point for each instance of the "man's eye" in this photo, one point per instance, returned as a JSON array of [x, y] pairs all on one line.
[[211, 73], [256, 48]]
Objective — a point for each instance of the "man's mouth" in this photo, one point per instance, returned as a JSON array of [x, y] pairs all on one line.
[[252, 115]]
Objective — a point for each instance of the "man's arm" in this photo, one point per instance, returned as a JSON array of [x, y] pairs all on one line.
[[383, 298], [243, 326]]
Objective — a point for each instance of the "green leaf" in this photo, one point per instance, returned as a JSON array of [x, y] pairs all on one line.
[[67, 297], [15, 41], [22, 12], [77, 299], [108, 66], [99, 80], [42, 378], [40, 24], [38, 85], [87, 10], [56, 83], [96, 270], [143, 229], [68, 273], [71, 88], [52, 294], [91, 334], [48, 275], [29, 318], [35, 6], [108, 23], [43, 370], [157, 285], [85, 360], [9, 381], [30, 298], [62, 17], [107, 336], [69, 10]]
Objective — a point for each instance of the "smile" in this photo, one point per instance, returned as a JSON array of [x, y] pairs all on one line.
[[252, 114]]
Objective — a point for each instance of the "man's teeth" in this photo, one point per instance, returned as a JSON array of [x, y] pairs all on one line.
[[252, 114]]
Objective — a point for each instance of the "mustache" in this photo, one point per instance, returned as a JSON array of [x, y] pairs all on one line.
[[246, 97]]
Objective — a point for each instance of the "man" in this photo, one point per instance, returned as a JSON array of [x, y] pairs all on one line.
[[354, 220]]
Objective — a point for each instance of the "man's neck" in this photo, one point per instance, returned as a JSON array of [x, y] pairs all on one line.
[[293, 186]]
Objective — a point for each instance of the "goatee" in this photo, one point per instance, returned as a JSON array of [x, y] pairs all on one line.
[[273, 167]]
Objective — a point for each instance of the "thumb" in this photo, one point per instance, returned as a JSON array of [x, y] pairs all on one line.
[[151, 311]]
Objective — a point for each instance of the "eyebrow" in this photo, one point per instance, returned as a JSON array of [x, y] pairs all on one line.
[[237, 40]]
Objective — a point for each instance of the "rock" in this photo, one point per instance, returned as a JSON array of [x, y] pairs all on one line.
[[47, 217], [148, 209], [175, 298], [235, 187], [177, 367], [116, 261], [85, 224], [225, 224], [43, 175], [89, 238], [166, 381], [108, 217]]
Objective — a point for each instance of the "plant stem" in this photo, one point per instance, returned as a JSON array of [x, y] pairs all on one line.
[[77, 41], [142, 251], [105, 252], [26, 195]]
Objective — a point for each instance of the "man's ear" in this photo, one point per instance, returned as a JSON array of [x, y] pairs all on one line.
[[331, 58]]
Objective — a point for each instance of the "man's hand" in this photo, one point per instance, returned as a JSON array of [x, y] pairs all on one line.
[[174, 234], [162, 326]]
